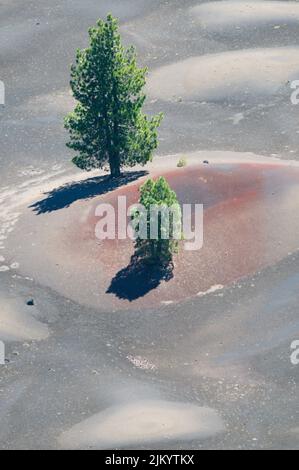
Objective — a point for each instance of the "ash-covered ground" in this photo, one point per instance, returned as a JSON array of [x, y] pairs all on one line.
[[213, 371]]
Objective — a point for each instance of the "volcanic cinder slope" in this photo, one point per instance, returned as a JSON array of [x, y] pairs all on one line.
[[213, 342], [232, 76], [224, 15], [144, 422], [17, 323], [250, 221]]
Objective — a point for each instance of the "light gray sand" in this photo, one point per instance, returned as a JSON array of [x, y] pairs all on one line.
[[228, 15], [228, 350], [18, 323], [236, 75], [144, 422]]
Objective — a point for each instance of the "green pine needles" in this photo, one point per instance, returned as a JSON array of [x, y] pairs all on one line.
[[107, 127], [162, 220]]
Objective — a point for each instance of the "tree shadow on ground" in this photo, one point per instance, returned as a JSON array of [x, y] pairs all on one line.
[[138, 279], [67, 194]]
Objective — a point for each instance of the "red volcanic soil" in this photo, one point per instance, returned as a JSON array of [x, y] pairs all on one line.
[[251, 220]]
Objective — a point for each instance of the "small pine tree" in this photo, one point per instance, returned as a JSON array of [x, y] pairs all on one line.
[[107, 127], [155, 197]]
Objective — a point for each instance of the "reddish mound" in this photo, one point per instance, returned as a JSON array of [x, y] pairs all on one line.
[[250, 221]]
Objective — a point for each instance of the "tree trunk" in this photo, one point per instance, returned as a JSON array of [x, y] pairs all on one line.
[[114, 166]]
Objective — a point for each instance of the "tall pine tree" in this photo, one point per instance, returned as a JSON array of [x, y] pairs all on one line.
[[108, 127]]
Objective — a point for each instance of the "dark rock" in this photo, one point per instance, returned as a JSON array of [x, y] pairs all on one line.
[[30, 303]]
